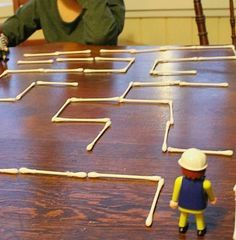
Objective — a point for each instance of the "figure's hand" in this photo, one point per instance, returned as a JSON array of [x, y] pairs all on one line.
[[3, 47], [214, 201], [173, 204]]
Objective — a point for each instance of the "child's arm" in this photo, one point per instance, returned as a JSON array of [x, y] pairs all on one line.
[[21, 25], [104, 20]]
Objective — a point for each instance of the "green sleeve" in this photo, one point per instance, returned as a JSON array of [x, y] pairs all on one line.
[[21, 25], [117, 7], [103, 19]]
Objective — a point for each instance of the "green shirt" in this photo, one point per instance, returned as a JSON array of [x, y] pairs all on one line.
[[100, 22]]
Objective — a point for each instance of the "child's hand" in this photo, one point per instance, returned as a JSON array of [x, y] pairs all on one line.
[[3, 47]]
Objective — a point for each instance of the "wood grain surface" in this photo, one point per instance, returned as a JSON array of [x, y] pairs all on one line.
[[51, 207]]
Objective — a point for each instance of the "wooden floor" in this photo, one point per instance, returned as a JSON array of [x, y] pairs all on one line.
[[50, 207]]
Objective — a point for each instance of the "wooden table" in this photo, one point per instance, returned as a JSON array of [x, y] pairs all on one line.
[[50, 207]]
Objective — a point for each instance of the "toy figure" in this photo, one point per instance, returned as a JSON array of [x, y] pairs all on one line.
[[192, 191]]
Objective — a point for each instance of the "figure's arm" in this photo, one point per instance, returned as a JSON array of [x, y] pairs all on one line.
[[208, 188], [21, 25], [104, 20], [176, 191]]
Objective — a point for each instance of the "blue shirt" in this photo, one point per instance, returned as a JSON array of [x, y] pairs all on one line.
[[192, 195]]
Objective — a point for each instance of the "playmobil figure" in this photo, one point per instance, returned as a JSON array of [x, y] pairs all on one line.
[[192, 191]]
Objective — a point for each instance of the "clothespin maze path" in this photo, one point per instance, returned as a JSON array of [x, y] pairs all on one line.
[[123, 99]]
